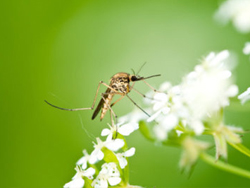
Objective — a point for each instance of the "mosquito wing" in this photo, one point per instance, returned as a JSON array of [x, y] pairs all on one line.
[[100, 105]]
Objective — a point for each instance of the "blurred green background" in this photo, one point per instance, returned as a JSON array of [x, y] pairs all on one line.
[[59, 50]]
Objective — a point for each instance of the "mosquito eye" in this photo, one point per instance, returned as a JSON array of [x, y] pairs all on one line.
[[133, 78]]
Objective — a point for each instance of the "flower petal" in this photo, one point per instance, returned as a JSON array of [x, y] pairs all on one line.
[[116, 144], [122, 161], [245, 96], [103, 183], [155, 115], [114, 180], [89, 172], [128, 128], [129, 152], [75, 183], [100, 155], [82, 162], [105, 132]]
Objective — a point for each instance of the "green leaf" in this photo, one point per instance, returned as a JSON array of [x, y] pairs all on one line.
[[145, 131], [109, 156], [241, 148], [126, 173], [87, 182]]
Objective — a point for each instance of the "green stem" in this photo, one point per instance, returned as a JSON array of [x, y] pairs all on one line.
[[241, 148], [224, 166]]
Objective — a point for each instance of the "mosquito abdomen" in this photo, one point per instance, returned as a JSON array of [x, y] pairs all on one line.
[[106, 105]]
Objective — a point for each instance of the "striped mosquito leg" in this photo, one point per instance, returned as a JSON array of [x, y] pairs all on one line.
[[151, 98], [117, 101], [138, 106], [68, 109], [103, 83], [151, 86], [78, 109]]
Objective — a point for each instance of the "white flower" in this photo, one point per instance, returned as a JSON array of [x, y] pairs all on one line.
[[223, 135], [168, 105], [77, 180], [97, 154], [192, 148], [109, 174], [160, 132], [238, 11], [200, 95], [135, 116], [83, 161], [123, 129], [246, 49], [209, 86], [113, 145], [245, 96], [122, 157]]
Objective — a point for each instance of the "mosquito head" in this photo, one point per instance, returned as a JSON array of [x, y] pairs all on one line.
[[134, 78]]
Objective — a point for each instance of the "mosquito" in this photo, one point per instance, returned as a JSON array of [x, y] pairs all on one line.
[[119, 85]]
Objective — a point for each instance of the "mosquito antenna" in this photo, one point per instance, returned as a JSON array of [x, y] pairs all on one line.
[[138, 106], [140, 68], [68, 109], [133, 71]]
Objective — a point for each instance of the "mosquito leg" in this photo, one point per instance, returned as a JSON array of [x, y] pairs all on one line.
[[117, 101], [151, 86], [138, 106], [68, 109], [77, 109], [98, 87], [113, 125], [142, 94], [108, 86], [131, 87]]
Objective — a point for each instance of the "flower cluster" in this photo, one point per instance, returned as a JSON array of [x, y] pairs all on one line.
[[238, 11], [112, 153], [193, 108]]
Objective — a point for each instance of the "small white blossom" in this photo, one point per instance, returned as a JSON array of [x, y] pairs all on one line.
[[223, 135], [123, 129], [135, 116], [245, 96], [238, 11], [246, 49], [109, 174], [97, 154], [83, 161], [192, 148], [211, 87], [77, 180], [122, 157], [114, 145], [111, 144]]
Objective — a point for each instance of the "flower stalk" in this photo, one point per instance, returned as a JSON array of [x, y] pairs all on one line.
[[224, 166]]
